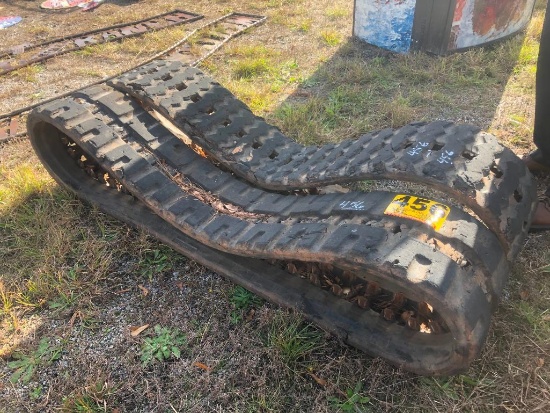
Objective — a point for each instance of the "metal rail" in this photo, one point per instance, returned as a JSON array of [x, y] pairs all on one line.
[[62, 45], [228, 27]]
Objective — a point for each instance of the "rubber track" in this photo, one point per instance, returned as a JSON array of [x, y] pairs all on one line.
[[469, 165], [364, 330], [126, 141], [119, 110]]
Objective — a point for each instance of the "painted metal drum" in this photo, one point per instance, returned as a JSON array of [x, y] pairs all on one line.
[[438, 26]]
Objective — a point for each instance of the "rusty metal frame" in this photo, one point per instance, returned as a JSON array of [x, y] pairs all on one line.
[[228, 26], [62, 45], [232, 25]]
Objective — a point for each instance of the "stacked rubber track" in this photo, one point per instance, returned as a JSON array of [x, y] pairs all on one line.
[[236, 209]]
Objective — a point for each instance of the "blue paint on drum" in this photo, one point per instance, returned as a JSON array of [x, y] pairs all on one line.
[[403, 28], [386, 24]]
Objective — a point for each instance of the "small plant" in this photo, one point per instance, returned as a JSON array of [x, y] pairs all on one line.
[[305, 25], [242, 300], [25, 365], [153, 262], [249, 68], [336, 13], [91, 399], [64, 301], [81, 404], [355, 402], [165, 345], [36, 393]]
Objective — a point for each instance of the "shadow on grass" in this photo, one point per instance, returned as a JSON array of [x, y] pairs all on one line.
[[364, 88]]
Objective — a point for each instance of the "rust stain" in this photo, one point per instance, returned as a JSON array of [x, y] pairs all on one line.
[[460, 4], [496, 14]]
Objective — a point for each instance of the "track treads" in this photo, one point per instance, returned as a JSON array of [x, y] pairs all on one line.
[[207, 40], [460, 230], [458, 159], [366, 330], [400, 260]]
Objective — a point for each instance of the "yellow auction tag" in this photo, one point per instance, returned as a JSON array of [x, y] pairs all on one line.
[[420, 209]]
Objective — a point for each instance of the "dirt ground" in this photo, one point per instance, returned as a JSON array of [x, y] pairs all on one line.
[[86, 282]]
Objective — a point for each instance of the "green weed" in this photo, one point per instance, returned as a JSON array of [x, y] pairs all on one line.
[[355, 401], [92, 399], [335, 13], [304, 25], [534, 318], [251, 67], [81, 404], [280, 3], [28, 73], [453, 388], [166, 344], [293, 340], [252, 51], [64, 301], [242, 300], [300, 120], [25, 365], [36, 393], [153, 262], [258, 96]]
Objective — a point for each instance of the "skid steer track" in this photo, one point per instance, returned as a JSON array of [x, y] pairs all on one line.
[[418, 292], [468, 164]]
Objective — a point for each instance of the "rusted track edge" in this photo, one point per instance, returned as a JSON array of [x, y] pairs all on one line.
[[7, 132], [63, 45]]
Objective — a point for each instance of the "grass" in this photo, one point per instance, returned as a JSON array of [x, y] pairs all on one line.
[[337, 13], [153, 262], [242, 301], [250, 68], [352, 400], [331, 37], [293, 340], [95, 398], [69, 272]]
